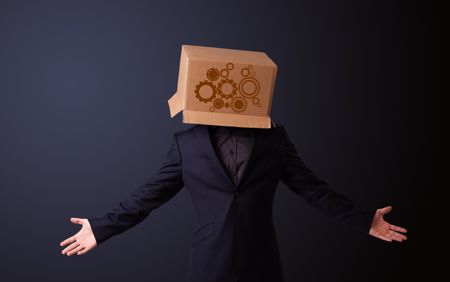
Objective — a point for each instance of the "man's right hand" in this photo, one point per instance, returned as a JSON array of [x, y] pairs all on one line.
[[82, 242]]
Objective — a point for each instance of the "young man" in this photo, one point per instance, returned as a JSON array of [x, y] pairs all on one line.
[[232, 174]]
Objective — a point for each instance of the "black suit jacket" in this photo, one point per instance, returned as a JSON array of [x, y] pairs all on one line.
[[235, 238]]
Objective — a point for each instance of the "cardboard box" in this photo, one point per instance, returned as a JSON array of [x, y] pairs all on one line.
[[227, 87]]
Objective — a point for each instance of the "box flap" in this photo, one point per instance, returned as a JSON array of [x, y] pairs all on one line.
[[175, 104], [194, 52]]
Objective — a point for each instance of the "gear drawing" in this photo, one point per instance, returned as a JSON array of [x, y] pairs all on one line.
[[245, 72], [224, 92], [227, 83], [218, 103], [249, 87], [213, 74], [224, 73], [205, 91], [248, 71], [238, 104]]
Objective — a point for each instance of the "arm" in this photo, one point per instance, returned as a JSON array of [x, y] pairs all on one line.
[[318, 194], [151, 194], [154, 192]]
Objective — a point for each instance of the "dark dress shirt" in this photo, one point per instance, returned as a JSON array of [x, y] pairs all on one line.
[[233, 146]]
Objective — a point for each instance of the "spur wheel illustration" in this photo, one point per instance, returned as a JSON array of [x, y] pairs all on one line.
[[238, 104], [225, 92], [205, 91], [218, 103], [224, 73], [213, 74], [249, 87], [227, 88]]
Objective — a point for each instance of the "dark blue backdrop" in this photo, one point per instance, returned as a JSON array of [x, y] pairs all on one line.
[[84, 119]]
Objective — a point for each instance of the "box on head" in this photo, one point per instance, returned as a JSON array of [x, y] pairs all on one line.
[[227, 87]]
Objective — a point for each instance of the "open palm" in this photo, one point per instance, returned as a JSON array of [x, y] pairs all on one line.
[[82, 242], [384, 230]]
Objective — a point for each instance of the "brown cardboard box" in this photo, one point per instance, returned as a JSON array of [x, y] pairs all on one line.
[[218, 86]]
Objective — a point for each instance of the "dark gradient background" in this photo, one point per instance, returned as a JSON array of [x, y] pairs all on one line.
[[84, 119]]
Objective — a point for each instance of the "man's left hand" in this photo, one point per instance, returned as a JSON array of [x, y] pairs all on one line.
[[384, 230]]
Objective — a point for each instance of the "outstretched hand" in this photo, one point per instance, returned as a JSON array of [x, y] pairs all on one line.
[[384, 230], [82, 242]]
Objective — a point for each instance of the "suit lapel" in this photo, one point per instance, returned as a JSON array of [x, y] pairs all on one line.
[[253, 152], [206, 144]]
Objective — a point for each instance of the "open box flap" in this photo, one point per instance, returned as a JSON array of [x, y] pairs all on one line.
[[175, 104]]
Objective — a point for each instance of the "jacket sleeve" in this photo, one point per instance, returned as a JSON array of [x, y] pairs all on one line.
[[317, 193], [154, 192]]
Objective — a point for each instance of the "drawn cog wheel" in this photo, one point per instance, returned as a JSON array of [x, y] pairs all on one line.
[[205, 91], [249, 87], [227, 88], [218, 103], [238, 104], [213, 74]]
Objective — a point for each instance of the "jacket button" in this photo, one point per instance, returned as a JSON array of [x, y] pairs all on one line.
[[236, 194]]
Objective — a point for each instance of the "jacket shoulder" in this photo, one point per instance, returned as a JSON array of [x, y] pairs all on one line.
[[277, 125], [277, 128], [187, 131]]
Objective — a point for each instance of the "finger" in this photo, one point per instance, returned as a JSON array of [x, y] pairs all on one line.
[[385, 238], [395, 238], [70, 247], [67, 241], [76, 220], [385, 210], [82, 252], [397, 235], [398, 228], [381, 236], [79, 248]]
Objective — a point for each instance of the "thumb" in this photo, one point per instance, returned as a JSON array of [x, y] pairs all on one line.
[[76, 220], [385, 210]]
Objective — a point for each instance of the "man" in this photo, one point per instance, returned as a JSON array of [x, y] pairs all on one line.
[[232, 174]]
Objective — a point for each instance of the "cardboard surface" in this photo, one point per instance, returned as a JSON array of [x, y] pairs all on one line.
[[218, 86]]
